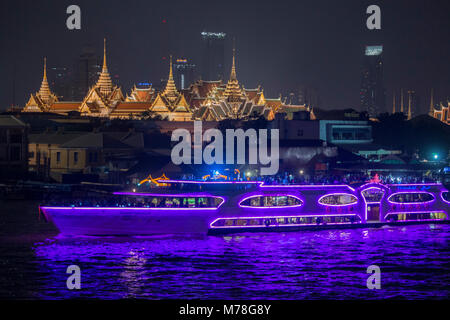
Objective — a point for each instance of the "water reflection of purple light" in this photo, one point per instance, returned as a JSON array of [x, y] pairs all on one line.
[[299, 265]]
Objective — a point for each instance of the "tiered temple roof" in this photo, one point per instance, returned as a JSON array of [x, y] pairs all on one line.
[[44, 98], [103, 97], [171, 104], [203, 100]]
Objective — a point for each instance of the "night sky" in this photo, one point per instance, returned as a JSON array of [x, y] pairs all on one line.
[[280, 44]]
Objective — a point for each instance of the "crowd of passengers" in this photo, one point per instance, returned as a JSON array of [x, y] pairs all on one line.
[[354, 178], [344, 179]]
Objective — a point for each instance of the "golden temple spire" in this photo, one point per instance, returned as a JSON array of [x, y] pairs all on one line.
[[393, 103], [170, 68], [432, 103], [171, 90], [233, 67], [409, 104], [44, 91], [233, 92], [104, 81], [104, 55], [45, 69], [401, 101]]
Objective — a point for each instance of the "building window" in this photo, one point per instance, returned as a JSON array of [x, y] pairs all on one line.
[[75, 157], [15, 153], [15, 136], [58, 157], [338, 199], [93, 157]]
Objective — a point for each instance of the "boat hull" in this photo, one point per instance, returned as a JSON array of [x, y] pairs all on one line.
[[126, 221]]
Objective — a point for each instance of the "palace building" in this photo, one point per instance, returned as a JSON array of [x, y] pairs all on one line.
[[202, 100], [442, 113]]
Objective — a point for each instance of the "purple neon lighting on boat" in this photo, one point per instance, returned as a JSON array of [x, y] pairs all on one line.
[[372, 202], [283, 217], [411, 203], [272, 195], [307, 186], [413, 184], [375, 185], [338, 205], [135, 208], [209, 182], [442, 197], [417, 212], [260, 183], [168, 195]]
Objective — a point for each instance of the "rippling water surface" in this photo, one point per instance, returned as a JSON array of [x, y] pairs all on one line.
[[414, 262]]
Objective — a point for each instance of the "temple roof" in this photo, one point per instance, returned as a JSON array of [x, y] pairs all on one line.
[[104, 81], [233, 92], [170, 92], [132, 107], [141, 94], [65, 106], [44, 91]]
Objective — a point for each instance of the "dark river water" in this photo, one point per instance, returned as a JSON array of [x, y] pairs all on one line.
[[328, 264]]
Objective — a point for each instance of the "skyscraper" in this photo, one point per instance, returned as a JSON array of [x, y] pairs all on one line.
[[213, 55], [60, 82], [372, 93], [87, 68], [184, 73]]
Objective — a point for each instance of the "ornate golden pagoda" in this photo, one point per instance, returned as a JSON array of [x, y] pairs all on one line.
[[104, 81], [233, 92], [171, 104], [170, 92], [44, 98], [102, 98]]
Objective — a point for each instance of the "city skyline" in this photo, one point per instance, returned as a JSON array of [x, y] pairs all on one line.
[[276, 60]]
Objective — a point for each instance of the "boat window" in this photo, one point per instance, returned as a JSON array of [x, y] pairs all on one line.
[[176, 202], [416, 216], [271, 201], [146, 201], [373, 194], [411, 197], [338, 199], [446, 196]]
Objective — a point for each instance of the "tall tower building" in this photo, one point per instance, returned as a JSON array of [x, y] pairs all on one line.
[[87, 68], [60, 82], [184, 73], [213, 55], [372, 93]]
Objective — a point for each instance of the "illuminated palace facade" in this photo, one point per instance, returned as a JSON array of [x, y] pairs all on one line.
[[441, 113], [202, 100]]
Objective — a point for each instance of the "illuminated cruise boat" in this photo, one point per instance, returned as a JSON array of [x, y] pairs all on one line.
[[231, 206]]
